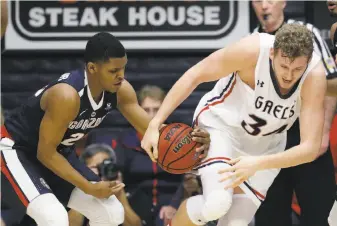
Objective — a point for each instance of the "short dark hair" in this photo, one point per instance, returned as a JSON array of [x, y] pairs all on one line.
[[103, 46], [94, 149]]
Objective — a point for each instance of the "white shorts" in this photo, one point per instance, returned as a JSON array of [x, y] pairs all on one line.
[[222, 149]]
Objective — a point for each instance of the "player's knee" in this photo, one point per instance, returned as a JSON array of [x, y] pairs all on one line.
[[47, 210], [217, 204]]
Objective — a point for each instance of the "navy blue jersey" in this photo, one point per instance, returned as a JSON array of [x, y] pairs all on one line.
[[24, 122]]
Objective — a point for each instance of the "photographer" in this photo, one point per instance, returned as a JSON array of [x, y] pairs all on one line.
[[101, 159]]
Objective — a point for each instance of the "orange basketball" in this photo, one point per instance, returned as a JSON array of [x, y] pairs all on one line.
[[176, 149]]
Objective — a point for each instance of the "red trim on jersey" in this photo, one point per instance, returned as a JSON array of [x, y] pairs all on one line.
[[216, 102], [258, 194], [4, 133], [154, 184], [213, 159], [11, 180]]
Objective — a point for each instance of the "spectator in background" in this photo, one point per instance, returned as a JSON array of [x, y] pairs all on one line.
[[101, 159], [316, 177], [149, 188]]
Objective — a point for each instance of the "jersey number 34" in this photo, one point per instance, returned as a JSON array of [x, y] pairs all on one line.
[[254, 129]]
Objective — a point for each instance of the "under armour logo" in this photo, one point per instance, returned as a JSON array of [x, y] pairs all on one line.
[[108, 106], [260, 83]]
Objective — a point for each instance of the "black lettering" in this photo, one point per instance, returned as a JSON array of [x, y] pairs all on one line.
[[292, 112], [268, 105], [284, 112], [256, 126], [171, 132], [277, 109], [258, 102]]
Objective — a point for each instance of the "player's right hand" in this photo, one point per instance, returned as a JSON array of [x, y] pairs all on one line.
[[104, 189], [150, 142]]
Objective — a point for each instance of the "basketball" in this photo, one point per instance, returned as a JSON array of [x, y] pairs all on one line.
[[176, 149]]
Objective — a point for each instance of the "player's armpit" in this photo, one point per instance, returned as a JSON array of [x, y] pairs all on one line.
[[129, 107]]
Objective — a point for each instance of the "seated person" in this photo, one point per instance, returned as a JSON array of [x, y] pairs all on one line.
[[101, 159]]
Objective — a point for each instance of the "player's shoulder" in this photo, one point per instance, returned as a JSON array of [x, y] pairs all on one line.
[[61, 95], [315, 82], [76, 78]]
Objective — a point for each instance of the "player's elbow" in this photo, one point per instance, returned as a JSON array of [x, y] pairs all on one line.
[[312, 149], [44, 156]]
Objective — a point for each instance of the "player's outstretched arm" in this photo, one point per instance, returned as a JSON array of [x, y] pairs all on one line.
[[129, 107], [61, 104], [242, 54]]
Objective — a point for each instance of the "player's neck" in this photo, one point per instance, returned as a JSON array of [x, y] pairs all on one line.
[[272, 28], [94, 87]]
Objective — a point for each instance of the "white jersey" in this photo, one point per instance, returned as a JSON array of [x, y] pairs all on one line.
[[255, 120]]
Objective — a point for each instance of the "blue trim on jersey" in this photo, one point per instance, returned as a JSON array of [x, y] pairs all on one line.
[[223, 91]]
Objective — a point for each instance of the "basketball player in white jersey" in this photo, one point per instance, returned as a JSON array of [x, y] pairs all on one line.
[[265, 83]]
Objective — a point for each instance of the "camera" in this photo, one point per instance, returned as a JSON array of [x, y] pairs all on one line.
[[108, 170]]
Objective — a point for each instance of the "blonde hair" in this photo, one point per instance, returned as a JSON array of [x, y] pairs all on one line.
[[153, 92]]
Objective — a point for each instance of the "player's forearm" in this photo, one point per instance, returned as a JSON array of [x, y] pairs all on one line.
[[300, 154], [178, 93], [330, 108], [332, 87], [61, 167]]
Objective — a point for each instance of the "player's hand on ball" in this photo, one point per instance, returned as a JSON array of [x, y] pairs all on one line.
[[240, 170], [150, 142], [202, 136], [104, 189]]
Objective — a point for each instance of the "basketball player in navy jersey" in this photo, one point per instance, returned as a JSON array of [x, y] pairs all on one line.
[[39, 168]]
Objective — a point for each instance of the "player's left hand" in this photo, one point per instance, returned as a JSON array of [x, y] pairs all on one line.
[[201, 135], [240, 170]]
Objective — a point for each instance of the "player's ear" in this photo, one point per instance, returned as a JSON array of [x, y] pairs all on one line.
[[92, 68], [271, 53]]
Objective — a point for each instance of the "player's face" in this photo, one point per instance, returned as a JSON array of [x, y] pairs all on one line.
[[288, 72], [95, 160], [332, 6], [151, 106], [111, 73], [268, 12]]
